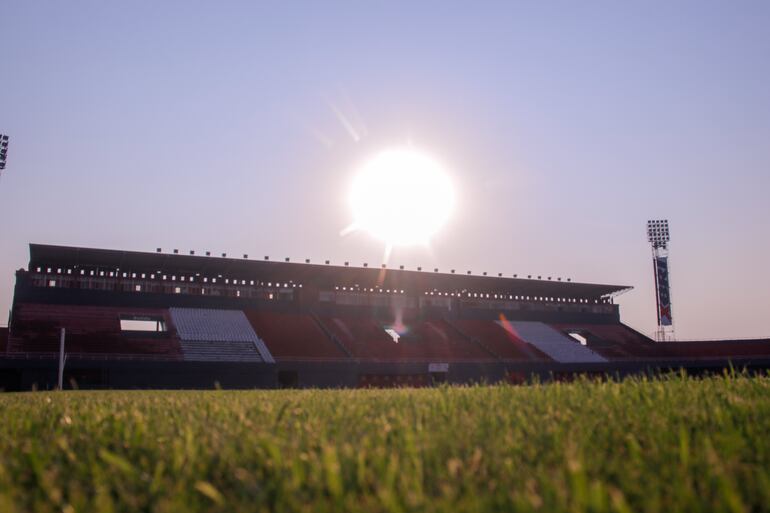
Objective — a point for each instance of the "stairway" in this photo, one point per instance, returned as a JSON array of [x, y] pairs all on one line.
[[473, 340], [331, 336], [207, 351]]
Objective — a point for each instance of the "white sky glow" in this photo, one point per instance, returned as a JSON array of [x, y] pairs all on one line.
[[401, 196]]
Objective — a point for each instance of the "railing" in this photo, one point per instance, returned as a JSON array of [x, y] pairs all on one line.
[[319, 359], [438, 359], [88, 356], [609, 360], [733, 339], [473, 340], [331, 336]]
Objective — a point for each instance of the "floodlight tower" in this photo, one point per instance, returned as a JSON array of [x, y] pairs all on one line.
[[3, 151], [658, 236]]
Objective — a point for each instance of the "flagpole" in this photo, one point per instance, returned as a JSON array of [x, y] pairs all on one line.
[[61, 360]]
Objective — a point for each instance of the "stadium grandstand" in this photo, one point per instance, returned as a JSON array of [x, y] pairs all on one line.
[[160, 320]]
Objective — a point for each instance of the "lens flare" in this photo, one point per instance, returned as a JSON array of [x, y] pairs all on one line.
[[402, 197]]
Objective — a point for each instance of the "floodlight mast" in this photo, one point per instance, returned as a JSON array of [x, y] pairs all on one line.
[[3, 152], [658, 237]]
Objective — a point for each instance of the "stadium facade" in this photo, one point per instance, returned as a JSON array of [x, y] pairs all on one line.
[[158, 320]]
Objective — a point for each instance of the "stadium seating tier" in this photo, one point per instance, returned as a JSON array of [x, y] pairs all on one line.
[[89, 330], [432, 340], [293, 336], [500, 342]]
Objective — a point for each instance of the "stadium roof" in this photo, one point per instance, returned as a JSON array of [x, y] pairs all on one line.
[[320, 276]]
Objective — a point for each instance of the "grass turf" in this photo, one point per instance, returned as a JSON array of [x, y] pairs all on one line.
[[670, 445]]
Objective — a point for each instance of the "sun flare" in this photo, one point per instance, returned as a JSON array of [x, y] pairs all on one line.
[[401, 196]]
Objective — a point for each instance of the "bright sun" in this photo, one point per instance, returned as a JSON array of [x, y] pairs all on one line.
[[401, 196]]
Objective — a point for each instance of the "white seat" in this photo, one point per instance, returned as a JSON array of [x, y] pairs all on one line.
[[218, 334], [555, 344]]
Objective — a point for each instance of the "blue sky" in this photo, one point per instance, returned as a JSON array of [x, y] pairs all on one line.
[[565, 126]]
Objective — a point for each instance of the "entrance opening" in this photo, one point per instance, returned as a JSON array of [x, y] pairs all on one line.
[[393, 334], [142, 324], [438, 377], [288, 379]]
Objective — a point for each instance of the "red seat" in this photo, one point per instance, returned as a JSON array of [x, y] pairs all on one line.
[[393, 380], [715, 349], [502, 342], [438, 340], [617, 341], [364, 338], [293, 336], [89, 330], [613, 341], [419, 340]]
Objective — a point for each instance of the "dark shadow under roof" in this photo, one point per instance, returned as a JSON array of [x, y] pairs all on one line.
[[323, 277]]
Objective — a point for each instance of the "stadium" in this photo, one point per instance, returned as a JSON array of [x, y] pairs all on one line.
[[394, 151], [123, 319]]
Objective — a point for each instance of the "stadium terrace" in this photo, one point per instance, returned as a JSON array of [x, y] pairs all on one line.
[[159, 320]]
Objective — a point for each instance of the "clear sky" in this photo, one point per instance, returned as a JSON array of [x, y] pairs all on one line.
[[564, 126]]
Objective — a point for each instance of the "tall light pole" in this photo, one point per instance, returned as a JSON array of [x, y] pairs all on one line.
[[658, 236], [3, 151]]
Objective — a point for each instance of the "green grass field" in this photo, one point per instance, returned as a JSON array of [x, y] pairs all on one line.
[[669, 445]]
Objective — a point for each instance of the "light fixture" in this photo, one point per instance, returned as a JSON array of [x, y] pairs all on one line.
[[3, 150], [657, 232]]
